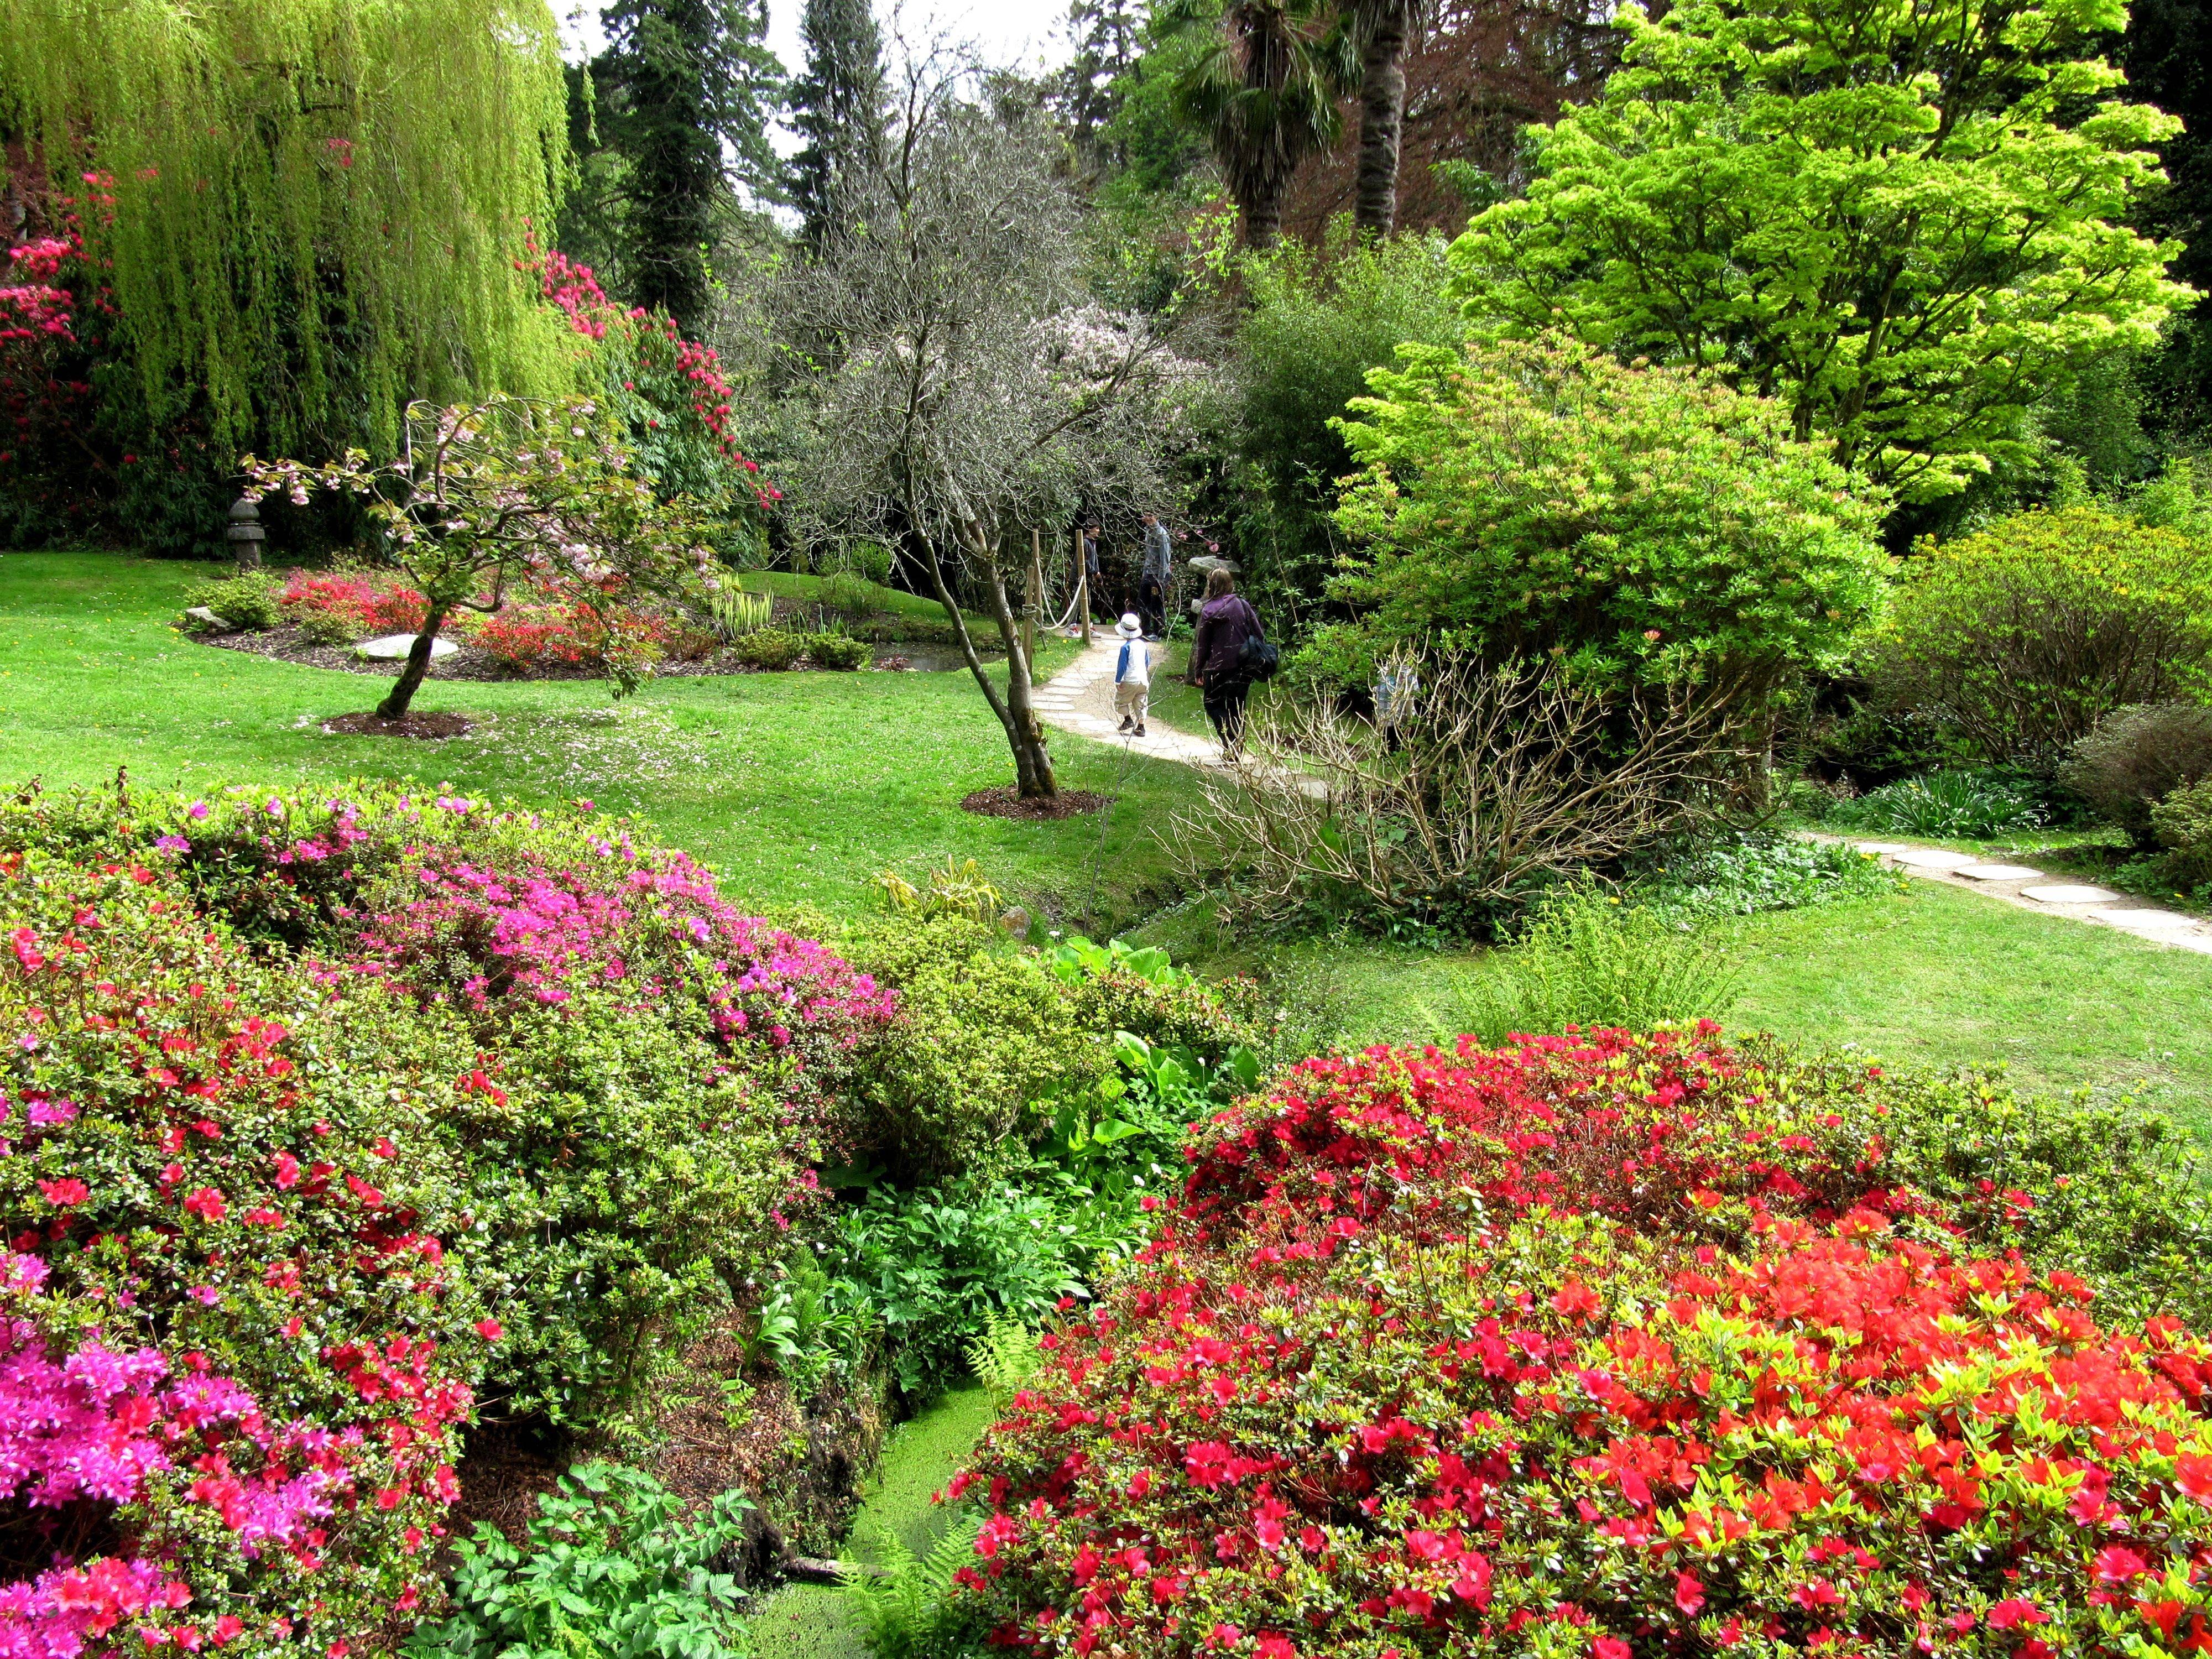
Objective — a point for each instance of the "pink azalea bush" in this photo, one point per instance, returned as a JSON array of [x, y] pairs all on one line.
[[328, 1119]]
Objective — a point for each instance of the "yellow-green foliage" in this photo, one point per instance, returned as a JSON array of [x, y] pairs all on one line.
[[2020, 637], [310, 209]]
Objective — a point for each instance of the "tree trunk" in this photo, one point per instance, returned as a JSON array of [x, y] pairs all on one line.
[[1033, 776], [394, 706], [1032, 763], [1263, 219], [1382, 115]]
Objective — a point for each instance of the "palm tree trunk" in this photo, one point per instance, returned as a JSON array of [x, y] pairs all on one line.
[[394, 706], [1382, 115], [1263, 219]]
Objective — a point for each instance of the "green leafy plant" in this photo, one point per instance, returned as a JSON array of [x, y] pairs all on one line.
[[905, 1604], [2019, 638], [1590, 958], [1624, 575], [1004, 1357], [935, 1267], [1748, 872], [1945, 805], [957, 889], [2182, 824], [249, 599], [738, 613], [611, 1568]]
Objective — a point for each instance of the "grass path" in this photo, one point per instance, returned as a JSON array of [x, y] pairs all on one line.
[[807, 1621]]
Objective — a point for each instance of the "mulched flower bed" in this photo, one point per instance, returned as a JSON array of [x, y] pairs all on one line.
[[1006, 802]]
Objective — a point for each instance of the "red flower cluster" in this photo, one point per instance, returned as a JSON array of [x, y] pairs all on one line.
[[364, 602], [1598, 1347], [661, 370]]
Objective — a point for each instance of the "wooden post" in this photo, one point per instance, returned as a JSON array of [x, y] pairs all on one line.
[[1082, 585], [1032, 597]]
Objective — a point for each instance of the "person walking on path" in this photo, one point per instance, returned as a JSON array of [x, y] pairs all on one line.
[[1133, 676], [1152, 577], [1216, 658]]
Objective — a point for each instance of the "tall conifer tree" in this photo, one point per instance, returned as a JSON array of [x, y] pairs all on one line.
[[689, 85], [837, 107]]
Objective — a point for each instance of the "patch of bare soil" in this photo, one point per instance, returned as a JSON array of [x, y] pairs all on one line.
[[722, 1430], [1007, 802], [370, 724], [505, 1467]]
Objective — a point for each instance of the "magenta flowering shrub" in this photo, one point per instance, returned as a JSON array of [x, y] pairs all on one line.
[[627, 1080], [234, 1355]]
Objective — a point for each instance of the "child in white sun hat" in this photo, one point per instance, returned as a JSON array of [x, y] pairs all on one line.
[[1132, 674]]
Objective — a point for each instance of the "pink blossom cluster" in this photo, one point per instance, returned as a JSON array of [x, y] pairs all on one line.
[[54, 1615]]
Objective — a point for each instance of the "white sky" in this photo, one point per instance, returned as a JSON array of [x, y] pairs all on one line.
[[1014, 34]]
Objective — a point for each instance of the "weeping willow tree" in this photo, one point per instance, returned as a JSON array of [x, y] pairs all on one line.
[[310, 211]]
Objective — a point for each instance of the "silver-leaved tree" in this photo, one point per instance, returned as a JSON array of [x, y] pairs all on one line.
[[511, 498], [964, 392]]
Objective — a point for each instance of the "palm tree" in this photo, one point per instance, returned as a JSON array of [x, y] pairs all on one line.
[[1265, 92], [1381, 29]]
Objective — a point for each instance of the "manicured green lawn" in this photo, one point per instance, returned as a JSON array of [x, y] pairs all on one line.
[[799, 787], [1935, 978]]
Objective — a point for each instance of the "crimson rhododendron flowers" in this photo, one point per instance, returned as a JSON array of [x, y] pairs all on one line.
[[1602, 1345]]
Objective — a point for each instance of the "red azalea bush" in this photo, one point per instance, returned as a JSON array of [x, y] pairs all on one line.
[[525, 636], [1595, 1347], [340, 605]]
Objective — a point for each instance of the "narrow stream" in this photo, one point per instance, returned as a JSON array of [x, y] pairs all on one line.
[[807, 1621]]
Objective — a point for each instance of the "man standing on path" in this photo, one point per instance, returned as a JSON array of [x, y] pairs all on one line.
[[1152, 580]]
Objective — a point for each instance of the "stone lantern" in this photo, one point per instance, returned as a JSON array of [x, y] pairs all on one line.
[[246, 534]]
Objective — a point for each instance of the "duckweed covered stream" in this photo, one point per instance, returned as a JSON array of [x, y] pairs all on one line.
[[807, 1621]]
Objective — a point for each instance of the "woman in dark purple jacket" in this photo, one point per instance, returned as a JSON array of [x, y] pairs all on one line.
[[1216, 651]]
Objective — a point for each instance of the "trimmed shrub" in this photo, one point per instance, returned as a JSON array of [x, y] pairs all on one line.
[[1627, 1344], [2182, 823], [988, 1038], [2021, 638], [2135, 758], [838, 653], [769, 648], [249, 599], [1641, 527]]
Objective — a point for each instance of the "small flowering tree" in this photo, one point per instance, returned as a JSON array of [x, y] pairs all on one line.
[[511, 496]]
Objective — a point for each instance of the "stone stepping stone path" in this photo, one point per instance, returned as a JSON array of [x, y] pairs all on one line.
[[2030, 890], [394, 647], [2069, 893]]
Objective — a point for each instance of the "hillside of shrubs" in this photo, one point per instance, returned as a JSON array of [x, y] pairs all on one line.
[[339, 1121]]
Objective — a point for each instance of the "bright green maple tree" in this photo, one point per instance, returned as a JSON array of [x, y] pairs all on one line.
[[1903, 218]]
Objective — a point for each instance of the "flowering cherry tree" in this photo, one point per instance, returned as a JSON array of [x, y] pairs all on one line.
[[507, 498]]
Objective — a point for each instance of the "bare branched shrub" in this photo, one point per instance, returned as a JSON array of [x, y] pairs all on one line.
[[1488, 782]]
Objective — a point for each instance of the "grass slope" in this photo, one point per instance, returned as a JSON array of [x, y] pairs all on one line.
[[1935, 978], [798, 786]]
